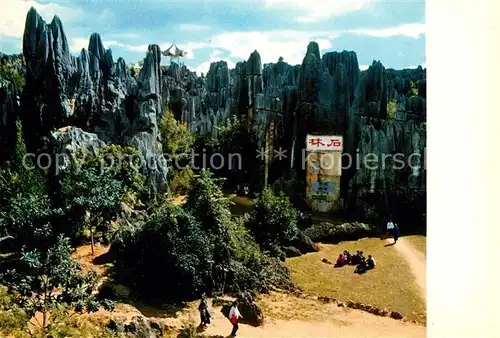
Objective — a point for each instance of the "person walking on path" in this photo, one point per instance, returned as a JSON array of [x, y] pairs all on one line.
[[234, 317], [390, 227], [204, 314], [395, 233]]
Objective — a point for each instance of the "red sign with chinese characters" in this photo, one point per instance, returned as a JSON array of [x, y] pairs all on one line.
[[324, 143]]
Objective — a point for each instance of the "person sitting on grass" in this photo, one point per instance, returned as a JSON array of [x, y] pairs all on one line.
[[347, 257], [356, 258], [361, 267], [340, 261], [362, 257], [370, 262]]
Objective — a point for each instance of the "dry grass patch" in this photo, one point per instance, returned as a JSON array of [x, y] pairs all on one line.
[[241, 205], [419, 242], [390, 285], [286, 307]]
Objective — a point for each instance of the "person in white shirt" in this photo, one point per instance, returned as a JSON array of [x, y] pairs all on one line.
[[390, 227], [370, 262], [234, 317]]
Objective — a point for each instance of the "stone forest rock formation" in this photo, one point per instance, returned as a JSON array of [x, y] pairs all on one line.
[[104, 103]]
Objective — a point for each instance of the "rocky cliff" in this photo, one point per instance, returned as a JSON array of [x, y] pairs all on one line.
[[92, 93], [379, 111]]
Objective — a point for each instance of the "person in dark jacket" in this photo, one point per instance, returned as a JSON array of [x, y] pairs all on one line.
[[395, 233], [204, 314]]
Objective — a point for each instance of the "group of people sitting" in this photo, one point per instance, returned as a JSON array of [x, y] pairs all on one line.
[[362, 264]]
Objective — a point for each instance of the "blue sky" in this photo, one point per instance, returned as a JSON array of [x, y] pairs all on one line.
[[390, 31]]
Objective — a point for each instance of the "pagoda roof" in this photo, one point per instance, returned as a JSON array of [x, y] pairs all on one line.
[[174, 51]]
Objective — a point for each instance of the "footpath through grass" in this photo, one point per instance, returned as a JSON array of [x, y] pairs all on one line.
[[419, 242], [390, 285]]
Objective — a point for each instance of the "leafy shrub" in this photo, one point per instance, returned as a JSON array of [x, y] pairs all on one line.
[[326, 231], [9, 72], [177, 142], [22, 176], [274, 221], [50, 281], [27, 218], [89, 193], [229, 135], [119, 163], [180, 180], [168, 258], [392, 107], [13, 319]]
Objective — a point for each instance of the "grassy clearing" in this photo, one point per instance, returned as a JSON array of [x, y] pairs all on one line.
[[419, 242], [390, 285], [241, 205]]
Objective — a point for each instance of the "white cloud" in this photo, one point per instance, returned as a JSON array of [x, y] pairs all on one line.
[[363, 67], [13, 15], [191, 27], [76, 44], [413, 30], [291, 45], [214, 57], [317, 10]]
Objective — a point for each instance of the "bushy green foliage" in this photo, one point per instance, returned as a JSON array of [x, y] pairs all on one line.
[[27, 218], [168, 258], [22, 176], [177, 140], [392, 107], [46, 281], [414, 88], [177, 143], [88, 192], [239, 264], [9, 73], [179, 180], [274, 221], [117, 162], [13, 320], [181, 251], [211, 208], [25, 209], [229, 135]]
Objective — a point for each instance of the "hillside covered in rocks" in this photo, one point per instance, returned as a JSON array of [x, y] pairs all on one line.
[[101, 101]]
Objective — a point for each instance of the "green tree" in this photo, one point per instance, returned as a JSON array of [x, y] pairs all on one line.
[[91, 193], [274, 221], [48, 280], [210, 207], [392, 107], [177, 143], [22, 176], [229, 136], [25, 209], [414, 88], [8, 72], [170, 257]]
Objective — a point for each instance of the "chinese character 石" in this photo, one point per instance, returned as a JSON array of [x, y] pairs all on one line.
[[334, 143], [316, 142]]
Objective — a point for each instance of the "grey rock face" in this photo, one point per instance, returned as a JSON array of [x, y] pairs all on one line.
[[91, 92]]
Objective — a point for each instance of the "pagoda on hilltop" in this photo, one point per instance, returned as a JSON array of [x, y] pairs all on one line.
[[175, 53]]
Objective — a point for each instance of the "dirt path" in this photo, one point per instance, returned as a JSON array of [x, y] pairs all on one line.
[[345, 323], [415, 259]]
